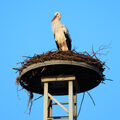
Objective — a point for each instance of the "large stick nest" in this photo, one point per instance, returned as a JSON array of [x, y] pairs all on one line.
[[62, 55]]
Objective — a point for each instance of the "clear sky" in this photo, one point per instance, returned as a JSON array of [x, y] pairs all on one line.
[[25, 30]]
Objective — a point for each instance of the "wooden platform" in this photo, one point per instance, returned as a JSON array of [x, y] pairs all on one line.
[[87, 76]]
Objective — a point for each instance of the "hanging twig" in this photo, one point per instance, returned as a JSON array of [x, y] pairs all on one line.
[[30, 99], [109, 79], [81, 105], [32, 103], [91, 98]]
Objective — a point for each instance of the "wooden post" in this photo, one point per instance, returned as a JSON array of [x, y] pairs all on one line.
[[70, 84], [48, 98], [58, 103], [49, 107], [75, 106], [45, 116]]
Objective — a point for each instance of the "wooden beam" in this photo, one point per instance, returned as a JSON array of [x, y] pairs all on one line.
[[75, 106], [49, 107], [57, 78], [61, 117], [63, 103], [58, 103], [45, 116], [70, 84]]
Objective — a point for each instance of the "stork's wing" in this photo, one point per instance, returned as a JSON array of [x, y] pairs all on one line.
[[56, 43], [68, 40]]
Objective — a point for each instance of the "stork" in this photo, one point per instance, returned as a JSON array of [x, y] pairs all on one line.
[[61, 34]]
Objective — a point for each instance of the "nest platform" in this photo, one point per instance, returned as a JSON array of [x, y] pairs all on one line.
[[87, 70]]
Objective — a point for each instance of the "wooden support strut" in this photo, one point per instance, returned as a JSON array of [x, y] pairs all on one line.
[[70, 83], [45, 116], [48, 99], [75, 106], [58, 103], [49, 107]]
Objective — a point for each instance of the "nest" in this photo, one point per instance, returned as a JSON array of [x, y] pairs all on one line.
[[62, 55]]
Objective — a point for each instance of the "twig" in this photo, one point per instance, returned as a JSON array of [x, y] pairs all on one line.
[[17, 69], [30, 99], [109, 79], [81, 105], [91, 98], [32, 103]]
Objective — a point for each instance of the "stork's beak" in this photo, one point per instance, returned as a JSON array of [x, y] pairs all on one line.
[[53, 19]]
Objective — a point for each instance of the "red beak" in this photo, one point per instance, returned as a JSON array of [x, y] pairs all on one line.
[[53, 19]]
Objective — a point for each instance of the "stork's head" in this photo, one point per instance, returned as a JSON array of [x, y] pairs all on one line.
[[57, 16]]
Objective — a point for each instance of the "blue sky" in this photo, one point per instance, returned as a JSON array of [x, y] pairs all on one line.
[[25, 30]]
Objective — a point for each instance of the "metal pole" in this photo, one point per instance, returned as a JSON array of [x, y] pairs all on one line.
[[45, 117], [70, 83]]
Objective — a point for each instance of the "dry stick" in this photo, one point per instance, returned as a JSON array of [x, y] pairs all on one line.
[[71, 55], [20, 89], [82, 102], [109, 79], [103, 82], [81, 105], [17, 91], [91, 98], [30, 98], [27, 56], [18, 69], [102, 47], [94, 54], [32, 103]]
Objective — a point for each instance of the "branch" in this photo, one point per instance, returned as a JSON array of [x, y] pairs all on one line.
[[81, 104]]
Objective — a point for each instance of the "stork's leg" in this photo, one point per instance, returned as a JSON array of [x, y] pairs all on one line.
[[64, 46], [60, 47]]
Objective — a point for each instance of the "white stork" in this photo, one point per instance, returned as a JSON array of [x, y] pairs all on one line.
[[61, 33]]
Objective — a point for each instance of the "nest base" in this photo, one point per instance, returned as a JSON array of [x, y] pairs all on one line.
[[87, 76]]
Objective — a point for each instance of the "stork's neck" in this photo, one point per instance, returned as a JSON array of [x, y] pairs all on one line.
[[56, 25], [57, 20]]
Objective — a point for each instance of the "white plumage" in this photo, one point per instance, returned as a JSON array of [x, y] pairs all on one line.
[[61, 33]]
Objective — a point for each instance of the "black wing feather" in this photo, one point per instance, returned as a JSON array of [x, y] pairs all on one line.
[[57, 45], [68, 40]]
